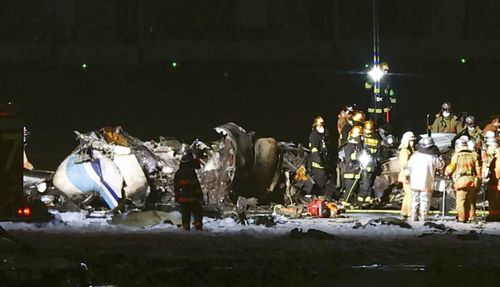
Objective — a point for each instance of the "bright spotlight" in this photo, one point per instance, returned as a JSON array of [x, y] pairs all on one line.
[[376, 73]]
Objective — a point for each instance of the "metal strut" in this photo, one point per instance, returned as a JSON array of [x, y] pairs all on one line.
[[376, 56]]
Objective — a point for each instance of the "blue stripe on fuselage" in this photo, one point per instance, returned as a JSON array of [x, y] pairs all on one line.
[[96, 165], [80, 178]]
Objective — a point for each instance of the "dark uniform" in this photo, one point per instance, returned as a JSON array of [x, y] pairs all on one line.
[[357, 119], [188, 194], [371, 144], [352, 150], [344, 133], [319, 159], [384, 98]]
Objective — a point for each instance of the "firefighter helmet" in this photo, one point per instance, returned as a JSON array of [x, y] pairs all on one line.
[[426, 142], [408, 136], [446, 107], [369, 127], [471, 145], [384, 66], [490, 141], [358, 117], [406, 139], [356, 131], [470, 121], [460, 144], [389, 141], [187, 157], [489, 134], [318, 121]]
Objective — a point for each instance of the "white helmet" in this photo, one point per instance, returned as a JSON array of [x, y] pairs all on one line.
[[489, 134], [464, 138], [491, 141], [426, 142], [471, 145], [461, 144], [406, 138]]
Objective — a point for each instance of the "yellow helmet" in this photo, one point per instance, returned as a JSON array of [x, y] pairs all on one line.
[[318, 121], [369, 127], [384, 66], [358, 116], [356, 131]]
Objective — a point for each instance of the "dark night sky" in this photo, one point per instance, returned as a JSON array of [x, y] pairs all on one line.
[[274, 96]]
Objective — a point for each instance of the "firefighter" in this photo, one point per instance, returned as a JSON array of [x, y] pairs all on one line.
[[188, 191], [352, 170], [384, 97], [371, 145], [490, 136], [472, 131], [465, 171], [446, 121], [493, 126], [342, 118], [491, 175], [319, 161], [406, 149], [422, 167], [357, 119]]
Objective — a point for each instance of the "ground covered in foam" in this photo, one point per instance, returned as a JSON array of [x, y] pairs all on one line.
[[360, 249]]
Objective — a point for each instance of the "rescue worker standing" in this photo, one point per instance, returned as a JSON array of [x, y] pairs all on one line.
[[491, 176], [352, 172], [342, 118], [422, 167], [493, 126], [371, 145], [406, 149], [465, 171], [319, 154], [188, 192], [446, 121], [384, 97], [357, 119], [472, 131]]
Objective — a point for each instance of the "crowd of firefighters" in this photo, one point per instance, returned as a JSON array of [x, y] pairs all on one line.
[[475, 163]]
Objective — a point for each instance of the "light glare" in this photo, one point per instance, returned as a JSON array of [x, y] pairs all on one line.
[[376, 73]]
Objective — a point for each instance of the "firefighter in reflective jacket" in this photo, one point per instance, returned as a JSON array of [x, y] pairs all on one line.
[[371, 144], [357, 119], [465, 171], [352, 170], [188, 192], [319, 154], [446, 121], [385, 97], [491, 176]]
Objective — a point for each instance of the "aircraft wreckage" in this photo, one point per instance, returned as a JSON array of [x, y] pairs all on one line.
[[110, 169], [114, 168]]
